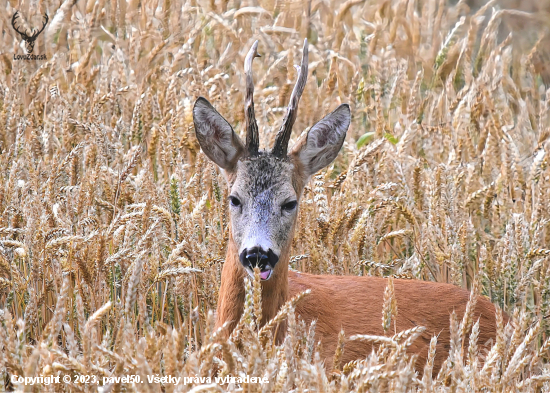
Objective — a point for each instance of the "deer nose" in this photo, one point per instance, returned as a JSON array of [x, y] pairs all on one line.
[[255, 256]]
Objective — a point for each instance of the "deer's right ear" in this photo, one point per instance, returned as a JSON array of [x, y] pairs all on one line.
[[216, 137], [323, 141]]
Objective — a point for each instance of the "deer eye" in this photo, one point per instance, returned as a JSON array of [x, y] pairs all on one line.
[[234, 201], [289, 206]]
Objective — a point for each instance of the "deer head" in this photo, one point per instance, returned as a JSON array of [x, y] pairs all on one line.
[[265, 186], [28, 38]]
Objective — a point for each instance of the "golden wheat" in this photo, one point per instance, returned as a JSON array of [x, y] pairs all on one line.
[[113, 226]]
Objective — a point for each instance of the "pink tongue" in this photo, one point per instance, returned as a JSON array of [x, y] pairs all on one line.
[[265, 274]]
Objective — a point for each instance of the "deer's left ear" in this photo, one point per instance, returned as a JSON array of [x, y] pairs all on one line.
[[323, 141], [216, 137]]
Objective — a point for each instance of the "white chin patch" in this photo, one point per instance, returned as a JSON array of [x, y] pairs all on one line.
[[265, 274]]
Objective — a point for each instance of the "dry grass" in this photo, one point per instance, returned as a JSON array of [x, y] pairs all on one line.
[[113, 225]]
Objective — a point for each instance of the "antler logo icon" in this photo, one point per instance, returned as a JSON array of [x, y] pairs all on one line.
[[28, 38]]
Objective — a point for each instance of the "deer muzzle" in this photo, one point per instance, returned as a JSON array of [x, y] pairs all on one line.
[[257, 257]]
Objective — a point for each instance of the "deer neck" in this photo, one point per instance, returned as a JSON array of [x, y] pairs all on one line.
[[232, 289]]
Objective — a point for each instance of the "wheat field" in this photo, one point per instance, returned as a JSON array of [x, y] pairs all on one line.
[[114, 225]]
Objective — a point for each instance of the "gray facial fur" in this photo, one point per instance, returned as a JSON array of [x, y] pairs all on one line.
[[263, 185]]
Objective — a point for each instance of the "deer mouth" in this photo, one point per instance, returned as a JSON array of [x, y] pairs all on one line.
[[265, 272], [256, 257]]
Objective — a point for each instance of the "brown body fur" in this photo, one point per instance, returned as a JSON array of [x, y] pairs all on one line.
[[354, 304]]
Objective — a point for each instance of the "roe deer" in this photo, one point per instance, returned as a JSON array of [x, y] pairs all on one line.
[[265, 189]]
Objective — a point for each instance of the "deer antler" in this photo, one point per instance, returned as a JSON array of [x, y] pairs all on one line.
[[14, 17], [283, 135], [252, 139], [46, 19]]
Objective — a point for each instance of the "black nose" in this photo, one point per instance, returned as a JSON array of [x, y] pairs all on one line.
[[255, 256]]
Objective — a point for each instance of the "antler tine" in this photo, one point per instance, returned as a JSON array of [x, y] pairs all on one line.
[[252, 138], [14, 17], [43, 26], [283, 135]]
